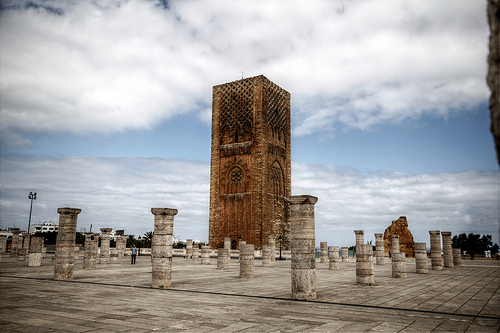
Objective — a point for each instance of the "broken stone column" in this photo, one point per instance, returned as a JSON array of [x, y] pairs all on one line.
[[77, 253], [379, 248], [447, 249], [457, 257], [14, 246], [266, 256], [205, 255], [162, 247], [395, 244], [113, 254], [26, 243], [65, 243], [333, 252], [90, 253], [195, 252], [398, 265], [364, 265], [345, 254], [227, 243], [35, 255], [323, 247], [189, 249], [104, 256], [246, 261], [3, 243], [421, 258], [121, 243], [272, 247], [436, 259], [223, 258], [302, 243], [44, 252], [360, 238]]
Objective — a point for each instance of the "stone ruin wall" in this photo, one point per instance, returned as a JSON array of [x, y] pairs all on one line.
[[406, 242]]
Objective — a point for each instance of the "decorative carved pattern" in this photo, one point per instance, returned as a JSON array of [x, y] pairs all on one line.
[[236, 117], [235, 178], [276, 179], [276, 112]]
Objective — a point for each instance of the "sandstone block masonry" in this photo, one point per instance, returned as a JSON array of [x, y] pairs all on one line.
[[399, 227], [65, 243], [250, 171], [35, 254], [105, 253], [302, 235], [162, 247], [436, 258]]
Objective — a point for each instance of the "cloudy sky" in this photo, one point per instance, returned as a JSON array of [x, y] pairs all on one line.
[[106, 106]]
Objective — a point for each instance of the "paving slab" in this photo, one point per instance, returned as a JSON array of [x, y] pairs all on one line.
[[117, 297]]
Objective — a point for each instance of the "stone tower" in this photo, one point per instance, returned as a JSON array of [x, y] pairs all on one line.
[[250, 172]]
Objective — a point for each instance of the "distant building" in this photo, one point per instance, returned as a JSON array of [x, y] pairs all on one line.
[[44, 227]]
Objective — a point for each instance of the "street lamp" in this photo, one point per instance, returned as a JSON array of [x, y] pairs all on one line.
[[31, 196], [280, 246]]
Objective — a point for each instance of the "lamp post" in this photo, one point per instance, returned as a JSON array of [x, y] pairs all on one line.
[[31, 196], [139, 239], [280, 246]]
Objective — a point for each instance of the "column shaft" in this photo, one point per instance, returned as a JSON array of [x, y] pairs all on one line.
[[65, 243], [162, 247]]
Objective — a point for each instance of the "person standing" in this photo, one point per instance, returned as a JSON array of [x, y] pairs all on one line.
[[134, 254]]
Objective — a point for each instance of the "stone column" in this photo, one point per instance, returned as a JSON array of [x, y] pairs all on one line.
[[26, 243], [421, 258], [457, 257], [3, 243], [104, 256], [113, 254], [447, 250], [14, 245], [395, 243], [189, 249], [398, 265], [121, 244], [35, 256], [436, 259], [360, 238], [90, 253], [65, 243], [302, 239], [379, 248], [44, 252], [246, 261], [333, 252], [345, 254], [205, 255], [195, 252], [364, 265], [77, 253], [227, 243], [323, 247], [266, 256], [162, 247], [223, 258], [272, 247]]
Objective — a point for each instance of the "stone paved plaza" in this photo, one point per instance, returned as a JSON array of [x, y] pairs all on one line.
[[117, 298]]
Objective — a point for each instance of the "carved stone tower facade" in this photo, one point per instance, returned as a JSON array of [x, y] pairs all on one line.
[[250, 171]]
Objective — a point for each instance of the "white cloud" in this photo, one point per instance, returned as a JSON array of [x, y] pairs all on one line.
[[130, 64], [119, 193]]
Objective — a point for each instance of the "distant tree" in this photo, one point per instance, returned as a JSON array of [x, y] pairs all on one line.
[[147, 239], [474, 243], [80, 238], [131, 240]]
